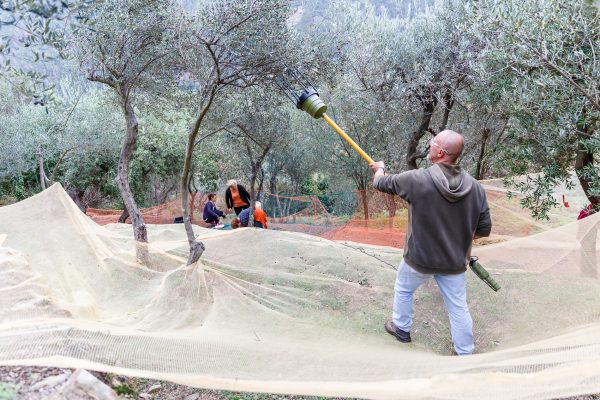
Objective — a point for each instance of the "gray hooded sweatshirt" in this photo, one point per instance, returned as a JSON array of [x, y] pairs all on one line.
[[447, 207]]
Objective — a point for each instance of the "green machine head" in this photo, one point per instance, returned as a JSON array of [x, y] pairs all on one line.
[[310, 102], [483, 274], [296, 86]]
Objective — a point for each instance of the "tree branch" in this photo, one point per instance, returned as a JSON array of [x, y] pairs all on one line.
[[554, 67], [210, 134], [55, 169], [107, 80]]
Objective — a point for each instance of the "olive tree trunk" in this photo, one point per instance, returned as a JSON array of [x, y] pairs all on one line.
[[584, 162], [140, 233], [412, 153], [479, 166], [196, 247]]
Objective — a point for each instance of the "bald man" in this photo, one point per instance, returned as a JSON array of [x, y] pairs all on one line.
[[447, 209]]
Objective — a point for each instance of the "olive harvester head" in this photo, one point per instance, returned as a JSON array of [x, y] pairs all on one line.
[[296, 86], [303, 94], [310, 102]]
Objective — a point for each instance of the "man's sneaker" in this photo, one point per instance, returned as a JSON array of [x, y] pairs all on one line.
[[392, 329]]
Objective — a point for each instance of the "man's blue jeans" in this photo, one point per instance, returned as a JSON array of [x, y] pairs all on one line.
[[453, 290]]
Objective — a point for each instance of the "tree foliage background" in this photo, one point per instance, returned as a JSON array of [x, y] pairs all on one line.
[[519, 79]]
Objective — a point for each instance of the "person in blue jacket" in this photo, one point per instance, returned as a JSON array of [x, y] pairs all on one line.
[[211, 214]]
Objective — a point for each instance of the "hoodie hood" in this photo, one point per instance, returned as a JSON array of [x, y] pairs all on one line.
[[451, 181]]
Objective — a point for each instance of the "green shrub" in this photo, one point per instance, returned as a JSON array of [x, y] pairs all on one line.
[[8, 391]]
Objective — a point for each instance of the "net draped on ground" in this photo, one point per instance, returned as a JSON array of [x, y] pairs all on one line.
[[160, 214], [277, 311], [363, 216]]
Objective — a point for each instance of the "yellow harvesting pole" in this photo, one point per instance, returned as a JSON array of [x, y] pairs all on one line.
[[347, 139], [310, 102]]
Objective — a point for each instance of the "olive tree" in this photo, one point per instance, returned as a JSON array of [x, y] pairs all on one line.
[[44, 139], [260, 126], [33, 35], [413, 71], [231, 44], [550, 50], [127, 47]]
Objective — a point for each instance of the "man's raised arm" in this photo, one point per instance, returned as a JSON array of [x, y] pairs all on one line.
[[398, 184]]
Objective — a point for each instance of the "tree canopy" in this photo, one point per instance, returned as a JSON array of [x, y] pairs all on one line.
[[149, 98]]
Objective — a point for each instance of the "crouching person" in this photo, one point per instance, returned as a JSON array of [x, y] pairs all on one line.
[[260, 217], [211, 214]]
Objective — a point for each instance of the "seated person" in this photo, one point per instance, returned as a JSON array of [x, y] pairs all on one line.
[[235, 223], [260, 217], [211, 214]]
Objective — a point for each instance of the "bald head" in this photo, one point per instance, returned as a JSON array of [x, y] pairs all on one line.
[[447, 146]]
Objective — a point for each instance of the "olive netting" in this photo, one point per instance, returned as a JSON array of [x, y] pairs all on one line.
[[159, 214], [279, 311], [362, 216]]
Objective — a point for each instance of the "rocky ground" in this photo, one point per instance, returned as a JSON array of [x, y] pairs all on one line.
[[37, 383]]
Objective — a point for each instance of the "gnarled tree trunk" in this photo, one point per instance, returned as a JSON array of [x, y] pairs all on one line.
[[273, 181], [77, 196], [448, 104], [140, 233], [365, 204], [485, 134], [44, 181], [362, 184], [256, 166], [261, 183], [412, 154], [123, 217], [196, 247], [584, 160]]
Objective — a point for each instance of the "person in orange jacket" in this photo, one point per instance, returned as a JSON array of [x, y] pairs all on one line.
[[237, 197], [260, 217]]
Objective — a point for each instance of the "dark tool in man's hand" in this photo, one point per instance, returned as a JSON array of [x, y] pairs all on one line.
[[483, 274]]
